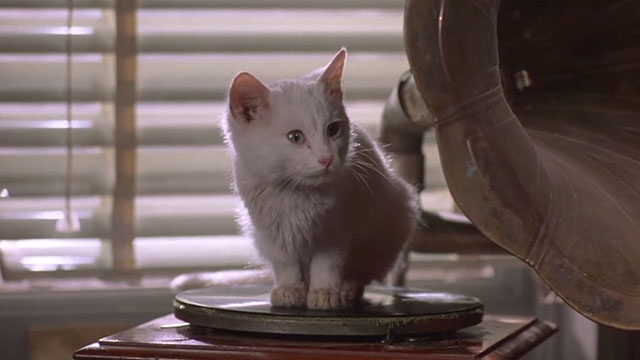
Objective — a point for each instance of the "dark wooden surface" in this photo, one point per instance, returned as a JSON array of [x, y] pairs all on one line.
[[497, 337]]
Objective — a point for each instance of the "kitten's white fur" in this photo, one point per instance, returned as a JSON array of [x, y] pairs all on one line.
[[326, 231]]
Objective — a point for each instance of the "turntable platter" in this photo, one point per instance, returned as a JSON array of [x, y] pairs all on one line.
[[384, 310]]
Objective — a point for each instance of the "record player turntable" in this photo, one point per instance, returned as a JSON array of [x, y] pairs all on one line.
[[383, 312]]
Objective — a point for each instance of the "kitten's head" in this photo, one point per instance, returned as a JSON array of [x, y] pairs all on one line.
[[295, 130]]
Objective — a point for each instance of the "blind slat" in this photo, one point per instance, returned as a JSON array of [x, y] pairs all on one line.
[[177, 215], [150, 253], [192, 77], [41, 171], [208, 30], [310, 4]]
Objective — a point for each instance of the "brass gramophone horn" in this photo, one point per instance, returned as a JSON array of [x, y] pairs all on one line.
[[537, 117]]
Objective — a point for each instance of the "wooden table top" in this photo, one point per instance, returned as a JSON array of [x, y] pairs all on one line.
[[497, 337]]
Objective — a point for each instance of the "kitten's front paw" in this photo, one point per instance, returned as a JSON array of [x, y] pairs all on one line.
[[330, 299], [288, 296]]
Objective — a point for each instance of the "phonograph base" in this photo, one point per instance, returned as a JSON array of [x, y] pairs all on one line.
[[238, 323]]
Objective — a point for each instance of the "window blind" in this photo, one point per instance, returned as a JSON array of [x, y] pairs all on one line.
[[188, 53]]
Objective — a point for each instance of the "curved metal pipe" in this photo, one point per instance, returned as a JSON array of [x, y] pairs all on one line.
[[405, 119], [439, 234]]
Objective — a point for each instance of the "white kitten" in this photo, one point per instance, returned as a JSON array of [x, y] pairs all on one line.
[[320, 199]]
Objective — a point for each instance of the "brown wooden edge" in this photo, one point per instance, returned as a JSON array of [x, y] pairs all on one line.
[[520, 343]]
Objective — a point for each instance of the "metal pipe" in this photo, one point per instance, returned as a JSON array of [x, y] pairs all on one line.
[[441, 235], [404, 120]]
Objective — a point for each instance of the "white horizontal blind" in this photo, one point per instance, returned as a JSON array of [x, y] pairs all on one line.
[[188, 53]]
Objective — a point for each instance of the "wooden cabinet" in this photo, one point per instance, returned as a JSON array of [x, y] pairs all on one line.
[[497, 337]]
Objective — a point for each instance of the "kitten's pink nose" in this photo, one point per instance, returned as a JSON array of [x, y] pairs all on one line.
[[325, 160]]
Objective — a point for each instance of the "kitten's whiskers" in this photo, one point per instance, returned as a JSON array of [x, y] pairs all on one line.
[[281, 185], [371, 166], [292, 186], [361, 177]]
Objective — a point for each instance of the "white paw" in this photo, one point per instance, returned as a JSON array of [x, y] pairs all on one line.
[[332, 299], [288, 296]]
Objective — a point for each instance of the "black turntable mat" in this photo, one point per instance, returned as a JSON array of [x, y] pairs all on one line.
[[384, 310]]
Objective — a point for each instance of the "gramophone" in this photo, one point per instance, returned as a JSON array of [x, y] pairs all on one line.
[[535, 105]]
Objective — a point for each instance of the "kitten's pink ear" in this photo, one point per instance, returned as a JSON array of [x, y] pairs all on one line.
[[332, 75], [247, 97]]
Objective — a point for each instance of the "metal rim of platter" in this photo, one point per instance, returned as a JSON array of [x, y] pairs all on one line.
[[384, 310]]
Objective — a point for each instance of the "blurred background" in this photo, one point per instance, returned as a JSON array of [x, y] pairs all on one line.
[[60, 287]]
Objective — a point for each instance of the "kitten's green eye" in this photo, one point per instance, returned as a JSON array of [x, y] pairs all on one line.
[[296, 136], [334, 128]]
